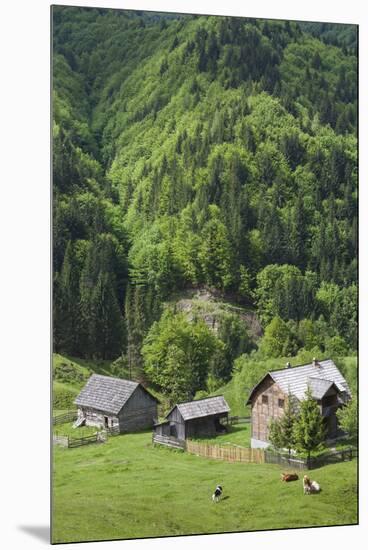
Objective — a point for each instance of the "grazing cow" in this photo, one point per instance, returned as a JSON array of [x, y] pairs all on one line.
[[217, 494], [310, 486], [289, 477]]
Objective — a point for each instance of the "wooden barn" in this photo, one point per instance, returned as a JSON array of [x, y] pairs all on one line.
[[194, 418], [114, 403], [269, 397]]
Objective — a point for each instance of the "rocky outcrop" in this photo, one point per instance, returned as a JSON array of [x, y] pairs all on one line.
[[212, 307]]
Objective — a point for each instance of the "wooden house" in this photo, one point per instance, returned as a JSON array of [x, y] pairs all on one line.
[[269, 397], [194, 419], [114, 403]]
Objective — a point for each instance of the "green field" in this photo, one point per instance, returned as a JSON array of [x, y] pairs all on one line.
[[239, 434], [126, 488]]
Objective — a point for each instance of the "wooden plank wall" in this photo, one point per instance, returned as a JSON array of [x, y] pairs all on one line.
[[138, 412], [177, 421], [262, 413], [137, 419]]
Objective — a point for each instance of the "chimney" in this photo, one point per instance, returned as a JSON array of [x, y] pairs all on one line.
[[315, 362], [288, 365]]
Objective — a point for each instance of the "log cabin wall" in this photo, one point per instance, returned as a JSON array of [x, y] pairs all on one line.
[[139, 412], [162, 429], [97, 418], [263, 411], [177, 424], [201, 427]]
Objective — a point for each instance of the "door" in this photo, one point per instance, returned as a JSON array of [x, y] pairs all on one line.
[[173, 431], [106, 419]]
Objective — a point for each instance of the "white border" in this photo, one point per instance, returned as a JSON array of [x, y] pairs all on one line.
[[24, 219]]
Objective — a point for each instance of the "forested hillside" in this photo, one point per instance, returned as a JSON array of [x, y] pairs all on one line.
[[192, 153]]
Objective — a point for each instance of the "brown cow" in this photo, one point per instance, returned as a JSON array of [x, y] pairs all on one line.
[[289, 477]]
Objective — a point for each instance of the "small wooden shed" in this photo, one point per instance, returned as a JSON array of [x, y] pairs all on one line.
[[194, 418], [269, 397], [115, 403]]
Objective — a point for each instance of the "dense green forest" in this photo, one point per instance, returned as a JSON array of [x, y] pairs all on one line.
[[199, 153]]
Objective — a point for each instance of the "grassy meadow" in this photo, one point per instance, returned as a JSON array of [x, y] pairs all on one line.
[[126, 488], [239, 434]]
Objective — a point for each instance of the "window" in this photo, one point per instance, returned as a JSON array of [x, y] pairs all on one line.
[[281, 403], [265, 399]]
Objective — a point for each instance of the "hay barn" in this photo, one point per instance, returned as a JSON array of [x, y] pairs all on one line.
[[195, 418], [114, 403]]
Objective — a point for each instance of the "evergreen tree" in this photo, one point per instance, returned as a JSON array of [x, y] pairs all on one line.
[[215, 251], [309, 431], [86, 313], [298, 236], [282, 430], [66, 295], [135, 323], [348, 417], [108, 322]]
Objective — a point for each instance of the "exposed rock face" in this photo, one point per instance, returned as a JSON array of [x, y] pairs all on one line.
[[210, 306]]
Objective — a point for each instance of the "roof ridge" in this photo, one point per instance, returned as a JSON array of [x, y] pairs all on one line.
[[302, 365], [112, 378], [198, 400]]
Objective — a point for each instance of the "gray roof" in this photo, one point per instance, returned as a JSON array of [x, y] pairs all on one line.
[[106, 393], [319, 387], [295, 379], [203, 407]]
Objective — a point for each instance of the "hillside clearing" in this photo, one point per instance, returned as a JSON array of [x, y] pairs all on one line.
[[126, 488]]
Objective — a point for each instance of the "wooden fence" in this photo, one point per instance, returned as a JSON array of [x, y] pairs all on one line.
[[332, 457], [69, 416], [228, 453], [60, 440], [284, 460], [168, 441], [329, 457], [238, 419], [72, 442], [99, 437], [113, 430]]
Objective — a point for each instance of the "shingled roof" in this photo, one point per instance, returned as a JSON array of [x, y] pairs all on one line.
[[317, 376], [203, 407], [319, 387], [106, 393]]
